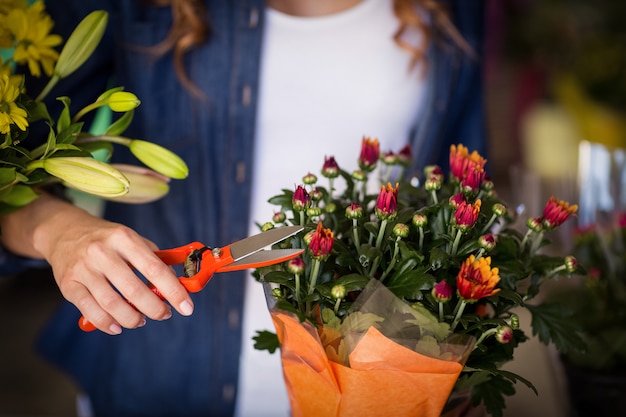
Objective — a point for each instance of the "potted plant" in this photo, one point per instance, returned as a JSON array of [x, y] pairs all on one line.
[[403, 301], [596, 375]]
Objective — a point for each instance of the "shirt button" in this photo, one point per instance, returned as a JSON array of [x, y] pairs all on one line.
[[246, 95], [240, 172], [228, 393], [233, 318], [253, 22]]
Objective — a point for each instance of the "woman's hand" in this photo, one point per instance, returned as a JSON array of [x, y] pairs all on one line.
[[91, 258]]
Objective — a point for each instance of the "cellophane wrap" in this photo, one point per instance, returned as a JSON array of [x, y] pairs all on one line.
[[386, 358]]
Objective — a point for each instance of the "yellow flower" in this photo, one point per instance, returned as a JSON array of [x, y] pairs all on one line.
[[33, 42], [6, 38], [10, 113]]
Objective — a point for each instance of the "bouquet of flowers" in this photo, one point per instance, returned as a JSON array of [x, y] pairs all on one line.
[[66, 155], [407, 295]]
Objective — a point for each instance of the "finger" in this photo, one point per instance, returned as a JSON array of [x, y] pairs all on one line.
[[91, 310], [164, 279], [136, 292]]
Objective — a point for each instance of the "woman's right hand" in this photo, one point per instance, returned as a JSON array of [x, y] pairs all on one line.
[[91, 258]]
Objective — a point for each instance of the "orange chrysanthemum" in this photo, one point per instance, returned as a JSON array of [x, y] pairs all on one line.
[[477, 279]]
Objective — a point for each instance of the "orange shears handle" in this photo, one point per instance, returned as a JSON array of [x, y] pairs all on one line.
[[210, 260]]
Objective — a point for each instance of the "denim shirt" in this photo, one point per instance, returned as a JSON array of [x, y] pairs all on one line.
[[188, 366]]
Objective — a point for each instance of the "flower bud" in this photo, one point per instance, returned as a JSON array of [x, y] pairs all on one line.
[[487, 241], [86, 174], [81, 43], [359, 175], [514, 321], [401, 230], [313, 211], [316, 195], [123, 101], [404, 156], [160, 159], [276, 292], [433, 183], [499, 209], [330, 169], [420, 220], [145, 185], [571, 264], [504, 334], [534, 224], [442, 292], [301, 199], [296, 266], [309, 179], [330, 208], [267, 226], [338, 292], [279, 217], [456, 200], [354, 211], [389, 158]]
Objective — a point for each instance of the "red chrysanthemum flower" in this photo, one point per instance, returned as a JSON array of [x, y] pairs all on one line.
[[556, 212], [387, 202], [370, 152], [466, 215], [321, 243]]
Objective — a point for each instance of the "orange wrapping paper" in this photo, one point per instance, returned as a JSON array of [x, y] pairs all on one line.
[[384, 378]]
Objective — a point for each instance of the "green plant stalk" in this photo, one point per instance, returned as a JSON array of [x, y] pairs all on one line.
[[484, 335], [455, 244], [315, 270], [459, 312], [86, 110], [393, 261], [489, 223], [355, 233]]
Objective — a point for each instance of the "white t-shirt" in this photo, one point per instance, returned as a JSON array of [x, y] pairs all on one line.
[[325, 83]]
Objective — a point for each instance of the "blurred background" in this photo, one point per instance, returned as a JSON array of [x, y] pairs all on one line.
[[555, 79]]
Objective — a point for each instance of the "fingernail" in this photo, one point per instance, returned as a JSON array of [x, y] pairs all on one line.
[[142, 323], [186, 308], [167, 315], [115, 328]]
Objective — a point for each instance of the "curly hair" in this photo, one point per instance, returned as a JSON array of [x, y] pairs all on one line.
[[191, 28]]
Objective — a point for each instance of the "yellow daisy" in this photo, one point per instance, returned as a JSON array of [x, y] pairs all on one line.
[[33, 42], [10, 113]]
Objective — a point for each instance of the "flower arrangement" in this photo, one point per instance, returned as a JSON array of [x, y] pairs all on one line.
[[66, 155], [445, 246], [597, 301]]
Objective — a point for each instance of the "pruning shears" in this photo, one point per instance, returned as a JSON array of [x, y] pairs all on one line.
[[201, 262]]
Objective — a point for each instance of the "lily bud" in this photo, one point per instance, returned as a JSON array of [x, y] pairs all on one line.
[[160, 159], [145, 185], [123, 101], [86, 174], [81, 43]]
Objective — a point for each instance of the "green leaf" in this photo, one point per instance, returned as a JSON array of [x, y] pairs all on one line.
[[64, 118], [119, 126], [409, 284], [438, 258], [265, 340], [552, 323], [69, 134], [19, 196]]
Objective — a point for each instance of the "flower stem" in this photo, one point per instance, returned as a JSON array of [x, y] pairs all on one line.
[[381, 233], [457, 239], [459, 313], [86, 110], [393, 261], [440, 311], [355, 233], [486, 334], [489, 223], [315, 269]]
